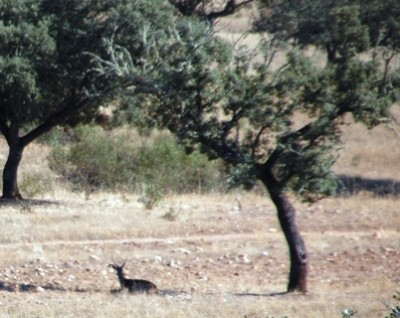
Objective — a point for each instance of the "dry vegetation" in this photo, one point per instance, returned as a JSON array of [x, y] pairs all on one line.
[[215, 256]]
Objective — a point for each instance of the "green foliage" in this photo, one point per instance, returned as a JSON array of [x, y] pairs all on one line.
[[258, 111], [55, 67], [342, 28], [103, 160], [242, 110], [91, 161], [166, 165], [25, 55], [53, 61], [152, 195], [36, 184], [214, 97]]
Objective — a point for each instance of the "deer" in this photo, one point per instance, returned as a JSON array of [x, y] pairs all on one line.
[[134, 285]]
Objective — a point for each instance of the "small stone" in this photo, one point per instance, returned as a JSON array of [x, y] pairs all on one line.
[[245, 259], [94, 258], [158, 259], [183, 251], [173, 263], [40, 289]]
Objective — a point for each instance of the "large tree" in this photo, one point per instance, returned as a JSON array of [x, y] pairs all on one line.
[[278, 123], [47, 75]]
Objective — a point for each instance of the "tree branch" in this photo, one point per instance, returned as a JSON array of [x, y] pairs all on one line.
[[58, 118], [4, 129], [202, 7], [257, 140], [231, 7]]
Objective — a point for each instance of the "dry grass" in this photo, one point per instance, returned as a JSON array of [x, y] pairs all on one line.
[[221, 258], [227, 261]]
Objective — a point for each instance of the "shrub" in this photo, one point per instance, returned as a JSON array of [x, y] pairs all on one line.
[[91, 162], [97, 159], [164, 164], [33, 185]]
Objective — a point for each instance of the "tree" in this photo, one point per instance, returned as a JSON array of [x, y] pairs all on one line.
[[335, 26], [47, 64], [279, 125], [209, 10], [249, 116]]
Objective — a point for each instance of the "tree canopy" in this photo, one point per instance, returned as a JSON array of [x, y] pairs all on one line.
[[340, 27], [48, 61]]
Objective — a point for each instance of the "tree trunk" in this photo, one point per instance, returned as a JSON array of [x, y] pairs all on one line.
[[287, 218], [10, 172]]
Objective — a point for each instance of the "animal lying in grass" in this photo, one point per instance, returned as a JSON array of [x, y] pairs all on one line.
[[134, 285]]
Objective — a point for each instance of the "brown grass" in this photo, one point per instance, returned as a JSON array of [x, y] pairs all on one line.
[[223, 260]]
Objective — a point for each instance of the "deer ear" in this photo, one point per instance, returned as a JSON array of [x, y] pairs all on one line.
[[123, 264]]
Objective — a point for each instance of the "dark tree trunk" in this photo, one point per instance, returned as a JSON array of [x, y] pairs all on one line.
[[287, 218], [10, 172], [332, 53]]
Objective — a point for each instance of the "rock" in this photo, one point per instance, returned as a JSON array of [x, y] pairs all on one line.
[[183, 251], [244, 258], [173, 263], [40, 289], [71, 278], [94, 258]]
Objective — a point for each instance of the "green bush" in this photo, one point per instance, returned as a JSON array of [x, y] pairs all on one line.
[[165, 164], [95, 159], [90, 162], [32, 185]]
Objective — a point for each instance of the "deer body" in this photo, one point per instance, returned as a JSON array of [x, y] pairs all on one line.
[[134, 285]]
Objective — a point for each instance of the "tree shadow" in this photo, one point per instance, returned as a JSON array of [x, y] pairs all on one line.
[[13, 287], [273, 294], [26, 202], [4, 286], [351, 185]]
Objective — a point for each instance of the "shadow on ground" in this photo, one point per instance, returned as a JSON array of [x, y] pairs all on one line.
[[26, 202], [274, 294], [14, 287], [351, 185], [32, 288]]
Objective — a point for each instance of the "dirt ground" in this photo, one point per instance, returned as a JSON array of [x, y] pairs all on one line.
[[225, 248]]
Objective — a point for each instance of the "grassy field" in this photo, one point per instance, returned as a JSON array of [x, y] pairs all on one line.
[[216, 255]]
